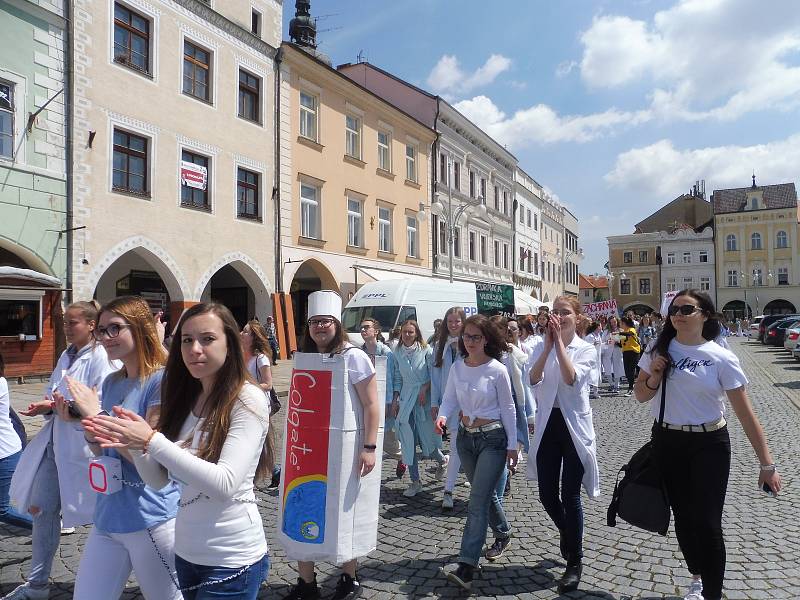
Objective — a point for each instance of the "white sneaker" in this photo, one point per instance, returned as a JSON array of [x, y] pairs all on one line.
[[26, 592], [67, 530], [628, 394], [447, 501], [413, 489], [466, 483], [695, 590], [441, 470]]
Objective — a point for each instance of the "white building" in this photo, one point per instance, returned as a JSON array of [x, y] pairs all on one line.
[[687, 259], [528, 201]]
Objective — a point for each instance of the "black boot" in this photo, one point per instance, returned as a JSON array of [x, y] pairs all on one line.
[[304, 590], [572, 576], [347, 588]]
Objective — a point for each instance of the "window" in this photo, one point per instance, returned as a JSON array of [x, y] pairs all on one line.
[[196, 71], [247, 186], [497, 198], [496, 253], [505, 256], [472, 245], [536, 263], [733, 278], [308, 116], [688, 283], [353, 136], [530, 262], [6, 120], [457, 242], [783, 276], [781, 240], [624, 286], [131, 39], [505, 202], [758, 278], [255, 23], [249, 96], [471, 184], [687, 258], [535, 221], [705, 284], [384, 151], [483, 190], [644, 286], [310, 211], [627, 257], [521, 216], [703, 256], [442, 237], [730, 242], [384, 229], [411, 236], [755, 241], [194, 195], [130, 163], [754, 203], [457, 175], [354, 223], [529, 216], [411, 162], [484, 257], [443, 174], [670, 258], [521, 258], [671, 285], [20, 317], [548, 271], [642, 256]]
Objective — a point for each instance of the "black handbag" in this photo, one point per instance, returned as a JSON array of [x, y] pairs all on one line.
[[640, 497]]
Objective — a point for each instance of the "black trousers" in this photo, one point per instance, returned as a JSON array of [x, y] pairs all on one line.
[[696, 467], [629, 360]]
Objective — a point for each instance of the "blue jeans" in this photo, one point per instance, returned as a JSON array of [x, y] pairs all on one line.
[[243, 587], [483, 457], [46, 496], [557, 458], [7, 512]]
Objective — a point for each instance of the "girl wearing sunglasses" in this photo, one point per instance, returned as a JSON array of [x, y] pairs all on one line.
[[692, 447]]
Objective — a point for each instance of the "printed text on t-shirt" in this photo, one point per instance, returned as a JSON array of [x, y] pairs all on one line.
[[691, 364]]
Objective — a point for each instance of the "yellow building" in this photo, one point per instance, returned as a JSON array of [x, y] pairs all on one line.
[[756, 243], [355, 180], [634, 275]]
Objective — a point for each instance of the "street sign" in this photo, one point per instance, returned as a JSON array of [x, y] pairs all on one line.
[[495, 299]]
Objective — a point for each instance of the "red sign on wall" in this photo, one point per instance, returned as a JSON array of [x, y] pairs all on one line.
[[193, 175]]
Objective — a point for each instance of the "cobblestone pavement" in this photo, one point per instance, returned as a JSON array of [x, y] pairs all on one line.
[[762, 534]]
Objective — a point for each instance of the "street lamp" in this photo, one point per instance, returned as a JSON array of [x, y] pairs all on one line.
[[452, 214]]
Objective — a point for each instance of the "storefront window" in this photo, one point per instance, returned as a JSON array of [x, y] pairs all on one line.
[[19, 317]]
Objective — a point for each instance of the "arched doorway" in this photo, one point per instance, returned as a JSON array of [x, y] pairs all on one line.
[[312, 276], [638, 309], [239, 283], [735, 309], [779, 307]]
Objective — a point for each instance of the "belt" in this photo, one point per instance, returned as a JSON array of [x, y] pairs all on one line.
[[703, 427], [482, 428]]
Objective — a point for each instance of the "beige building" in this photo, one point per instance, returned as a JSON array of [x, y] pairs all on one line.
[[634, 279], [355, 183], [551, 238], [758, 263], [173, 152], [571, 254]]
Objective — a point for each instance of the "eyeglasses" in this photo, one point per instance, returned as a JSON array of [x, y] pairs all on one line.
[[684, 309], [472, 338], [110, 332], [324, 323], [365, 327], [564, 312]]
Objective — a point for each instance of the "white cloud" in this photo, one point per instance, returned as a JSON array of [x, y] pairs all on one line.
[[715, 59], [565, 68], [540, 124], [663, 171], [447, 77]]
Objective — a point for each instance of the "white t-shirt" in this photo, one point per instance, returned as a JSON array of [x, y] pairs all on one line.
[[482, 392], [697, 382], [9, 440], [359, 367], [255, 363]]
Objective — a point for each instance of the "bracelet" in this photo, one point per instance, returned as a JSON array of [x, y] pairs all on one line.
[[655, 389], [371, 447], [769, 468], [147, 441]]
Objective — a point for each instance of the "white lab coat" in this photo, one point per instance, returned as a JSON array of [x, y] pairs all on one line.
[[574, 403], [612, 357]]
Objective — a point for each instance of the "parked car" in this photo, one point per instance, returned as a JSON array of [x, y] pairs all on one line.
[[792, 337], [753, 333], [777, 331], [768, 321]]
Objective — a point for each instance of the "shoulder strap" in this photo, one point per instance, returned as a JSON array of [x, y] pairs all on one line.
[[663, 400]]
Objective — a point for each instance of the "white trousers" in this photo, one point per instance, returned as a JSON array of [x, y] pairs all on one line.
[[109, 558], [454, 465], [612, 362]]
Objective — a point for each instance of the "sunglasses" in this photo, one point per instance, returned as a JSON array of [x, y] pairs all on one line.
[[685, 310]]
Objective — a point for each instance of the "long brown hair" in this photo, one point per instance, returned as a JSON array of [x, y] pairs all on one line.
[[494, 337], [260, 343], [444, 333], [180, 390], [418, 338], [150, 352], [339, 340]]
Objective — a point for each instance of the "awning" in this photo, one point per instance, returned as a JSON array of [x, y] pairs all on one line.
[[30, 275]]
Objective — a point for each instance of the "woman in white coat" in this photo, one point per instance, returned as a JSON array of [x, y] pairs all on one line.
[[564, 446], [57, 458], [613, 365]]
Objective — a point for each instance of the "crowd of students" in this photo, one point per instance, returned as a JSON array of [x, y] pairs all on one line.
[[188, 432]]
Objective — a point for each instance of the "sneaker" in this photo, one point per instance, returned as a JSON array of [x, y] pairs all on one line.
[[496, 550], [466, 483], [304, 591], [414, 488], [628, 394], [26, 592], [401, 469], [695, 590], [441, 470], [347, 588], [462, 575], [447, 501], [67, 530], [275, 481]]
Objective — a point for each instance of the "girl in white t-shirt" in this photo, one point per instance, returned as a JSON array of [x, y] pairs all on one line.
[[211, 436], [693, 447]]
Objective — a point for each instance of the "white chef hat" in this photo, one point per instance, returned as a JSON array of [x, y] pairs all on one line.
[[325, 303]]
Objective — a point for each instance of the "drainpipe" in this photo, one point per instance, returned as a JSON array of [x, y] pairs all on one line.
[[276, 192], [69, 32]]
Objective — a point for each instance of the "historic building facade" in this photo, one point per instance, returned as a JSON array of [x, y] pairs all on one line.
[[634, 272], [571, 254], [687, 259], [528, 216], [551, 236], [175, 203]]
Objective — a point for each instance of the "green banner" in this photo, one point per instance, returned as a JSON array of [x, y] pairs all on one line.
[[495, 299]]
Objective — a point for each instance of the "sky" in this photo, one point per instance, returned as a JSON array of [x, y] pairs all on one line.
[[615, 107]]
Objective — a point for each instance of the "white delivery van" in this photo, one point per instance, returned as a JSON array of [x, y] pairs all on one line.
[[393, 301]]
